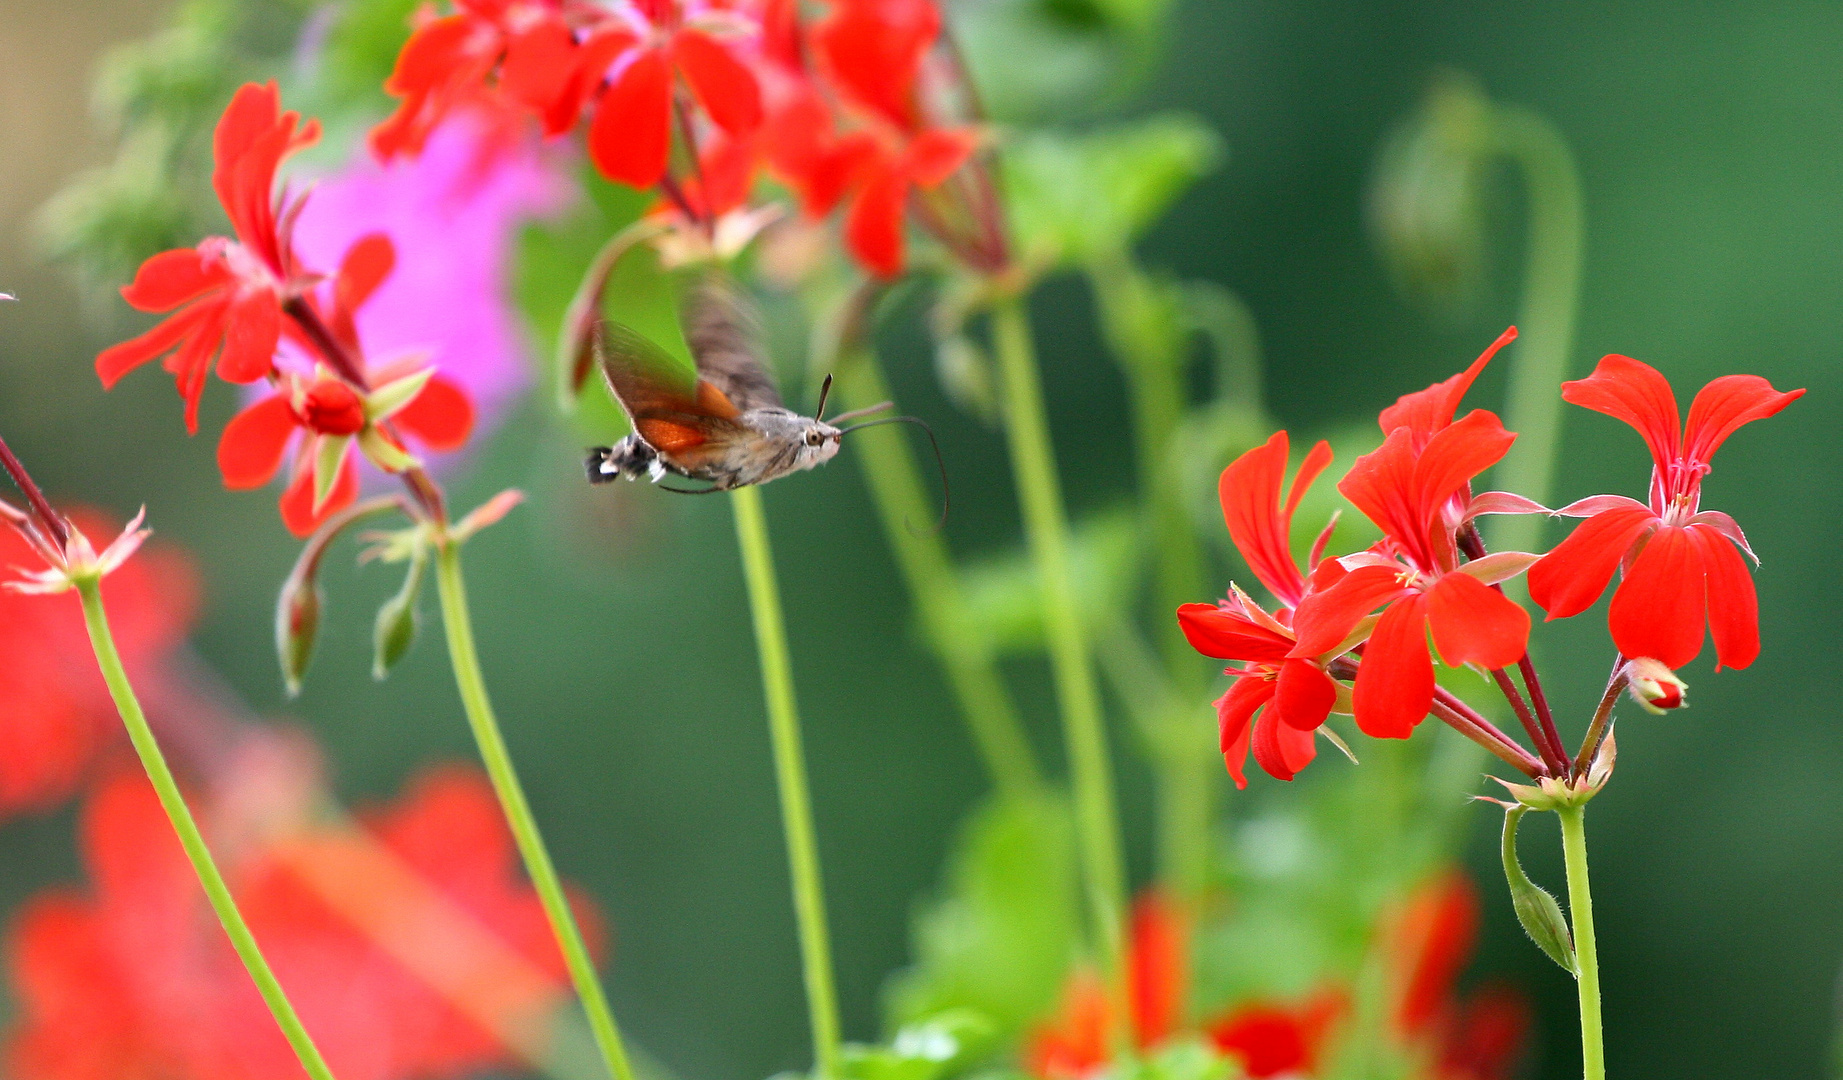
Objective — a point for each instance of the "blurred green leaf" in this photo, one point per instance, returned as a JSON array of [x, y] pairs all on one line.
[[362, 39], [1185, 1059], [1004, 601], [1038, 59], [1076, 197], [1000, 938]]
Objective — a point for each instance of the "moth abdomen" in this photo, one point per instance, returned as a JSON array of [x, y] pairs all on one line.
[[629, 459]]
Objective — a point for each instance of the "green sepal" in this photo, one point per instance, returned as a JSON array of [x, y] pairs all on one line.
[[1538, 911], [395, 628], [391, 398], [327, 460], [383, 453]]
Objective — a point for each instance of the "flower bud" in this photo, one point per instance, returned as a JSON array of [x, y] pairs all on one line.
[[330, 407], [395, 628], [297, 624], [1654, 686]]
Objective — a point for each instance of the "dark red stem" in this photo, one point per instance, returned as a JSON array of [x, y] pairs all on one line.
[[1544, 715], [48, 519], [1602, 717], [1552, 754], [1541, 723], [1482, 732]]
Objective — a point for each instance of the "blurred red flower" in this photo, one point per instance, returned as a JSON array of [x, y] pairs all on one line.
[[1477, 1038], [229, 292], [55, 712], [1076, 1041], [1274, 1039], [412, 948], [1680, 563]]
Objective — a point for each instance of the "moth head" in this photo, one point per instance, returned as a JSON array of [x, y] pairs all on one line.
[[819, 442]]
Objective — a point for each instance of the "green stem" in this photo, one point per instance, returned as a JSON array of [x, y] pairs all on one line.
[[1551, 293], [465, 660], [110, 661], [1046, 528], [1580, 910], [934, 586], [790, 773]]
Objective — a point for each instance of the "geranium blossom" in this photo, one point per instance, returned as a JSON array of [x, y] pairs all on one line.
[[1078, 1039], [1681, 565]]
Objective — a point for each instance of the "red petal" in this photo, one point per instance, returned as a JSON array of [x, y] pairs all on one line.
[[297, 502], [1282, 749], [538, 65], [1659, 608], [1394, 687], [118, 360], [251, 448], [1427, 411], [1324, 619], [1250, 493], [873, 228], [1157, 980], [170, 278], [253, 327], [430, 55], [1453, 456], [1381, 485], [721, 82], [441, 416], [192, 362], [632, 134], [1234, 714], [593, 58], [874, 51], [934, 156], [1628, 390], [1473, 623], [1570, 578], [367, 263], [1723, 406], [1734, 610], [1305, 695], [1225, 635], [252, 113], [1433, 941]]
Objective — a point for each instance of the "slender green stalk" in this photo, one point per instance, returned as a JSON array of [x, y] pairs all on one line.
[[110, 661], [1551, 293], [790, 772], [934, 586], [465, 660], [1046, 528], [1580, 910]]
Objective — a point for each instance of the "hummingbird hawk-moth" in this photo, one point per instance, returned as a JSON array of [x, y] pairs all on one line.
[[725, 425]]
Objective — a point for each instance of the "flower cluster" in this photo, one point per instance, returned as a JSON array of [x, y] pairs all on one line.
[[1429, 942], [699, 99], [1351, 634], [248, 303]]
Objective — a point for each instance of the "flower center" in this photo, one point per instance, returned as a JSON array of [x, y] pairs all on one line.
[[330, 407]]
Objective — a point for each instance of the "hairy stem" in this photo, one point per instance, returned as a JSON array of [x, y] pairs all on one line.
[[934, 586], [1602, 717], [1553, 756], [1046, 529], [790, 773], [110, 661], [1580, 911], [465, 660]]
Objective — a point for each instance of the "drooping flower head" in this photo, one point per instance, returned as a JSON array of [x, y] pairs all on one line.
[[1682, 569]]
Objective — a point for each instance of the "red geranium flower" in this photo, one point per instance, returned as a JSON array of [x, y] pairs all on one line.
[[1432, 939], [1274, 1039], [229, 292], [1295, 693], [1681, 566], [1077, 1041]]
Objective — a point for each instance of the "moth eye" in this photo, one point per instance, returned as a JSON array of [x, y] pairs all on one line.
[[813, 438]]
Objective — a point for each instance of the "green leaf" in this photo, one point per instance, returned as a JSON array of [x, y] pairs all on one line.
[[1000, 938], [1539, 913], [1004, 601], [1076, 197], [395, 628]]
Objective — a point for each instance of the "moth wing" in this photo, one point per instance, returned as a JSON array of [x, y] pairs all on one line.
[[723, 329], [673, 410]]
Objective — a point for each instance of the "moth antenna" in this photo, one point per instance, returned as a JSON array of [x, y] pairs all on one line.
[[865, 411], [939, 461], [825, 391]]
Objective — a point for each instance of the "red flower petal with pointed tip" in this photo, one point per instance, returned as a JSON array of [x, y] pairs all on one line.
[[1235, 716], [366, 265], [1394, 686], [1427, 411], [1225, 635], [538, 65], [118, 360], [251, 448], [1454, 455], [1632, 391], [441, 416], [726, 88], [252, 328], [1259, 522], [1570, 578], [1726, 404], [1304, 696], [1282, 749], [192, 362], [1734, 609], [1325, 619], [1473, 623], [935, 155], [297, 502], [171, 278], [1659, 608], [873, 227], [631, 137]]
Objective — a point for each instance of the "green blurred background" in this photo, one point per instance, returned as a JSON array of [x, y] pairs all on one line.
[[1710, 143]]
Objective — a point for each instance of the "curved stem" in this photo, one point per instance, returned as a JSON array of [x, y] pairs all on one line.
[[934, 586], [1551, 292], [1580, 910], [110, 661], [465, 660], [790, 773], [1046, 528]]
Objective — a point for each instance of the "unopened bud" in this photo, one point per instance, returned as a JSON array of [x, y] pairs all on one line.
[[1426, 202], [1654, 686], [395, 628], [297, 624]]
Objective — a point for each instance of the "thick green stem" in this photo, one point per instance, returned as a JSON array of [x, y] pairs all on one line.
[[790, 773], [1046, 528], [110, 661], [1551, 293], [465, 660], [934, 586], [1580, 910]]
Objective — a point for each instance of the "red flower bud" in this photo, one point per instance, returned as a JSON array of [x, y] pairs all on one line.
[[1655, 686], [330, 407]]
